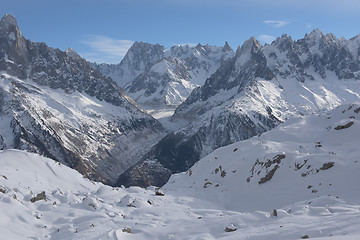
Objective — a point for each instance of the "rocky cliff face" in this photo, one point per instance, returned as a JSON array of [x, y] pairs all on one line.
[[55, 104], [139, 59], [260, 87]]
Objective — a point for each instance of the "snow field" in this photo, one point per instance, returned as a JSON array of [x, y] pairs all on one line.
[[192, 208]]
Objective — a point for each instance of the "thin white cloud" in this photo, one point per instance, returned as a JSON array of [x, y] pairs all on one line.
[[105, 49], [275, 23], [266, 39], [309, 26]]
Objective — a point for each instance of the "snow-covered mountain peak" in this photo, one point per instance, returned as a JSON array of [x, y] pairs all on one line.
[[204, 49], [315, 33], [71, 53], [251, 45], [245, 52], [282, 39], [144, 51], [283, 44]]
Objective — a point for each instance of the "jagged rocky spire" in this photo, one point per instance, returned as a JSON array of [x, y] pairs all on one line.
[[9, 26]]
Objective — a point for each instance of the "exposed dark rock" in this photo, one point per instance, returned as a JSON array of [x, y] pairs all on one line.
[[274, 213], [327, 165], [230, 228], [39, 196], [340, 127], [159, 192], [127, 230], [269, 175]]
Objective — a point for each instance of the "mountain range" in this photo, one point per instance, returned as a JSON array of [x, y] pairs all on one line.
[[257, 89], [94, 117], [155, 77], [194, 142]]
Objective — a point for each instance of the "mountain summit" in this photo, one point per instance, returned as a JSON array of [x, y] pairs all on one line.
[[8, 24]]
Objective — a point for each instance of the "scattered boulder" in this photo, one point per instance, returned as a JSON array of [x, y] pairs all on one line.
[[127, 230], [305, 237], [158, 192], [39, 196], [274, 213], [230, 228]]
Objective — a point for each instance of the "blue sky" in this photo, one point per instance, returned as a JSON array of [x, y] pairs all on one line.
[[103, 30]]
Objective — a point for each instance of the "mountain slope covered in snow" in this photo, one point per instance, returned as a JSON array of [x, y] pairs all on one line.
[[305, 157], [260, 87], [54, 103], [233, 193]]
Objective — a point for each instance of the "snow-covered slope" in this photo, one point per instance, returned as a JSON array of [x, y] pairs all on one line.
[[303, 158], [260, 87], [54, 103], [156, 78], [233, 193]]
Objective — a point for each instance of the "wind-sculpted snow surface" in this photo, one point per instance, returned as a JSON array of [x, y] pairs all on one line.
[[260, 87], [311, 194]]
